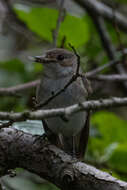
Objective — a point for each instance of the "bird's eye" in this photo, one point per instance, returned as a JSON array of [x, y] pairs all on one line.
[[60, 57]]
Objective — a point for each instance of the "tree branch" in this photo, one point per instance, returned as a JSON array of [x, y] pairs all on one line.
[[16, 24], [110, 78], [99, 8], [12, 91], [105, 38], [40, 2], [68, 111], [101, 68], [59, 20], [19, 149]]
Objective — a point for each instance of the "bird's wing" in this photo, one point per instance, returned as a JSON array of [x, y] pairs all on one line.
[[87, 84]]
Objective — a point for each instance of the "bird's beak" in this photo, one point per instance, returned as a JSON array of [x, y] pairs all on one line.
[[40, 59], [43, 59]]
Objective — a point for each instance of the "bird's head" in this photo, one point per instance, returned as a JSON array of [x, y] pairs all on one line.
[[58, 62]]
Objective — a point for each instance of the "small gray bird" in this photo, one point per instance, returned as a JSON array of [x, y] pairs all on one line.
[[59, 67]]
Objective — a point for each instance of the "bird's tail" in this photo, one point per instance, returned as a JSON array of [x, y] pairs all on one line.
[[76, 145], [70, 145]]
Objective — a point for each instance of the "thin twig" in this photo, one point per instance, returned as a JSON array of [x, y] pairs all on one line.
[[101, 68], [40, 105], [78, 58], [63, 41], [12, 91], [110, 78], [85, 81], [59, 20], [39, 2]]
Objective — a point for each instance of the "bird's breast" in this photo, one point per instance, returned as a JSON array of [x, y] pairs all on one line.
[[71, 95], [74, 93]]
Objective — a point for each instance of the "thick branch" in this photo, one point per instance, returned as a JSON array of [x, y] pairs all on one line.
[[19, 149], [68, 111]]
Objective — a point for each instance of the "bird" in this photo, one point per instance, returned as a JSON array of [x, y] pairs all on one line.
[[59, 66]]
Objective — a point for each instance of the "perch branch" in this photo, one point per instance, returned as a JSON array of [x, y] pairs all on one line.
[[39, 157], [42, 114]]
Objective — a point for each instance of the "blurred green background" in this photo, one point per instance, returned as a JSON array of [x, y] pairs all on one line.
[[30, 33]]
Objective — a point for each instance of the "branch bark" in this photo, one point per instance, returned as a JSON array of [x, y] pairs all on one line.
[[66, 112], [16, 24], [94, 9], [110, 78], [58, 23], [12, 91], [100, 9], [19, 149]]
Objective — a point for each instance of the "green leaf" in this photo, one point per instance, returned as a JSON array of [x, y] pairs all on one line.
[[13, 65], [42, 21], [16, 72], [111, 130], [110, 126], [121, 1], [75, 29], [118, 159]]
